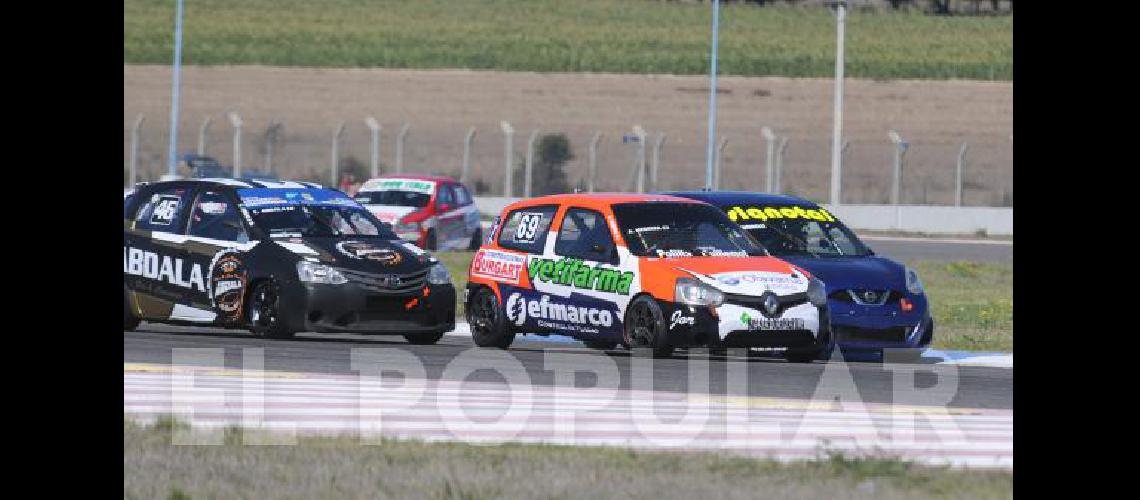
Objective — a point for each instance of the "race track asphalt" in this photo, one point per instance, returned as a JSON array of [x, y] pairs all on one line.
[[911, 249], [975, 387]]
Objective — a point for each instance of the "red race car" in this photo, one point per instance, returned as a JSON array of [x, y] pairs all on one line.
[[434, 212]]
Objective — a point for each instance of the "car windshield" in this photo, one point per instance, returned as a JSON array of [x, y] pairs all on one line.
[[682, 230], [318, 220], [785, 235], [394, 197]]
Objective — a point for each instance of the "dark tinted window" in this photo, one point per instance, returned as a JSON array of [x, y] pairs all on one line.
[[681, 230], [525, 228], [164, 211], [462, 196], [584, 235], [213, 216]]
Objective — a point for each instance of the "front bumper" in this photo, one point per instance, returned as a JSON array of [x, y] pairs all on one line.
[[352, 309], [881, 327], [724, 327]]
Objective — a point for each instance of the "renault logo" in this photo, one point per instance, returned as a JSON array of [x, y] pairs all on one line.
[[771, 304]]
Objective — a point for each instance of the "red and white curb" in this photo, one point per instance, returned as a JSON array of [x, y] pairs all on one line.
[[441, 410]]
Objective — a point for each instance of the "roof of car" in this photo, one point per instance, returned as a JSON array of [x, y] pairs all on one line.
[[242, 183], [744, 197], [418, 177], [595, 200]]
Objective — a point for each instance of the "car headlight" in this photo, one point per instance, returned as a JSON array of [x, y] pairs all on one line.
[[695, 293], [312, 272], [407, 227], [913, 284], [817, 292], [438, 275]]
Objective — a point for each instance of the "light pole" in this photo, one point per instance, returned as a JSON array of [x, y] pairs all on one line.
[[656, 161], [712, 98], [837, 125], [176, 84], [529, 163], [958, 175], [400, 148]]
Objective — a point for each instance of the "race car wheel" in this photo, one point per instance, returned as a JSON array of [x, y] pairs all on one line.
[[423, 338], [265, 311], [429, 241], [487, 321], [601, 345], [130, 322], [645, 329], [476, 239]]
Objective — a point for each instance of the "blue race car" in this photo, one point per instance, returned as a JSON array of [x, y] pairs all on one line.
[[875, 303]]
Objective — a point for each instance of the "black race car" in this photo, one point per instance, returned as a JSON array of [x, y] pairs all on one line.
[[275, 258]]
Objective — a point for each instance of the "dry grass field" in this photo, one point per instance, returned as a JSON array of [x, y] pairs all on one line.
[[935, 116]]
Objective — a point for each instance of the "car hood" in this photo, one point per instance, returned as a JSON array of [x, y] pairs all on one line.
[[361, 254], [390, 213], [739, 275], [854, 272]]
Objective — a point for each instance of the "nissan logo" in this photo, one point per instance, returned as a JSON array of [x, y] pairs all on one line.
[[870, 296]]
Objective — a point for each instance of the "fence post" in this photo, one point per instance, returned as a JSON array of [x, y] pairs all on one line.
[[770, 175], [508, 152], [466, 174], [529, 163], [593, 166], [202, 136], [374, 128], [136, 129], [958, 175], [400, 148], [656, 161], [719, 160], [335, 156], [270, 140], [780, 165], [235, 120], [639, 161], [896, 180]]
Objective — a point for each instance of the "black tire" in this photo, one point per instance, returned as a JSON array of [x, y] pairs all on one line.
[[130, 322], [476, 239], [264, 311], [601, 345], [423, 338], [645, 329], [430, 242], [487, 320]]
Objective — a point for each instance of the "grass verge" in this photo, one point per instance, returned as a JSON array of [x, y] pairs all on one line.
[[972, 302], [613, 36], [338, 467]]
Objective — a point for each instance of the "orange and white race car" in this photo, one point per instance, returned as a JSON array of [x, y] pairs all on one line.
[[649, 271]]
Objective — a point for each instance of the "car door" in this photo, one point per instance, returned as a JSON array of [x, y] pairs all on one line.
[[470, 212], [217, 241], [449, 226], [155, 273]]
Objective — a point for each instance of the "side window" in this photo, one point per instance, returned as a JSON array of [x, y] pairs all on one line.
[[446, 197], [584, 235], [214, 217], [164, 211], [462, 195], [525, 228]]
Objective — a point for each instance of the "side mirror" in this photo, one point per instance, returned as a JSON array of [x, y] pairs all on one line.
[[444, 207]]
